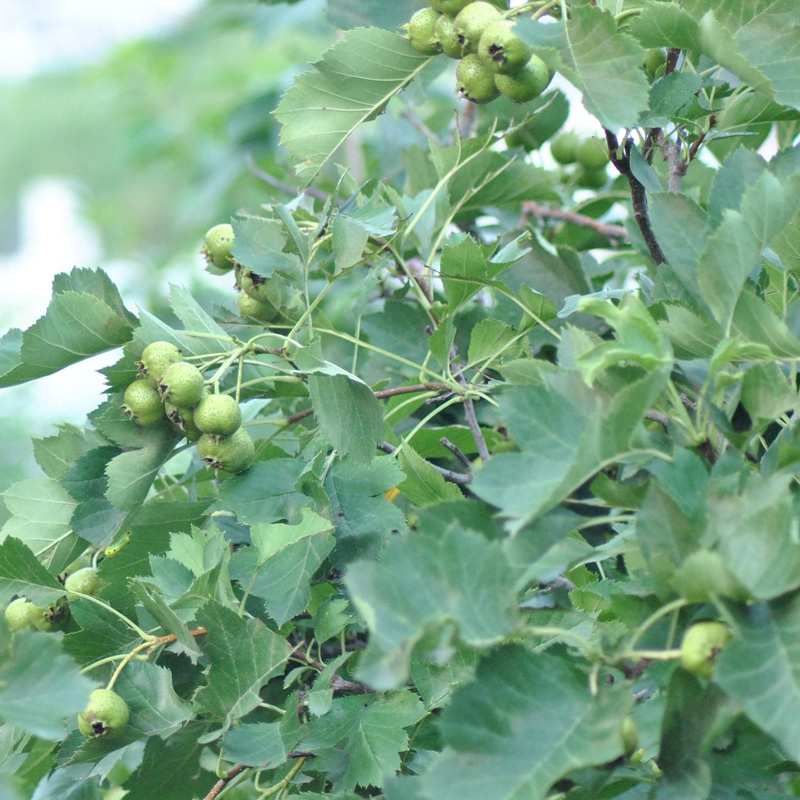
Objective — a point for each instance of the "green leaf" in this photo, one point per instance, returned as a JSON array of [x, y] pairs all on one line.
[[254, 744], [369, 733], [40, 686], [155, 708], [244, 656], [599, 60], [349, 415], [280, 565], [351, 85], [423, 485], [524, 702], [758, 668], [130, 475], [464, 269], [195, 319], [265, 493], [22, 573], [423, 582], [41, 510], [734, 250], [665, 25]]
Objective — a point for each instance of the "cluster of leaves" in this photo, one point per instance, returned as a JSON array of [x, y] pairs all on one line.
[[513, 443]]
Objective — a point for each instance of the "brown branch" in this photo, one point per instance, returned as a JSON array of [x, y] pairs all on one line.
[[460, 478], [456, 451], [622, 163], [223, 782], [338, 683], [418, 387], [257, 172], [613, 232], [474, 426]]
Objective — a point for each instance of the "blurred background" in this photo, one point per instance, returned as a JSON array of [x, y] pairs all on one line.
[[126, 134]]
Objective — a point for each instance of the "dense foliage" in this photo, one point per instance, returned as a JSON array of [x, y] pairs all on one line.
[[484, 483]]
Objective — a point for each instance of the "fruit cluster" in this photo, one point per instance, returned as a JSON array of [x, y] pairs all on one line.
[[493, 60], [590, 155], [171, 388]]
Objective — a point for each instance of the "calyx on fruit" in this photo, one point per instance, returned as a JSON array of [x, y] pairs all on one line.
[[592, 153], [527, 83], [218, 414], [564, 148], [473, 20], [105, 715], [83, 581], [217, 244], [181, 384], [156, 357], [421, 32], [183, 418], [502, 50], [701, 645], [234, 453], [475, 81], [142, 403]]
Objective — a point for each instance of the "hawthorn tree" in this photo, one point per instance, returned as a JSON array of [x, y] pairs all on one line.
[[485, 482]]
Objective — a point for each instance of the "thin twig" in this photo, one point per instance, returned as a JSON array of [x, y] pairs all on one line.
[[622, 163], [472, 421], [613, 232], [223, 782], [408, 114], [456, 451], [459, 478], [338, 683], [418, 387], [278, 184]]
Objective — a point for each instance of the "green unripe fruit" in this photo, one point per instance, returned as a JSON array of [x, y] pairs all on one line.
[[218, 414], [592, 154], [156, 357], [84, 581], [250, 307], [181, 384], [255, 286], [52, 618], [630, 736], [502, 50], [473, 20], [183, 418], [20, 614], [451, 7], [421, 32], [234, 453], [448, 37], [217, 245], [474, 80], [526, 84], [142, 403], [591, 178], [701, 645], [105, 715], [564, 148], [654, 60]]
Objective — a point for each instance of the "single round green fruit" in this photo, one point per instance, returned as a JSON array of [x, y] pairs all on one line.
[[592, 153], [591, 178], [255, 309], [502, 50], [142, 403], [527, 83], [701, 645], [448, 37], [564, 148], [20, 614], [654, 60], [217, 245], [421, 32], [473, 20], [156, 357], [474, 80], [183, 418], [234, 453], [630, 736], [53, 617], [451, 7], [181, 384], [218, 414], [105, 715], [84, 581]]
